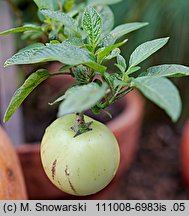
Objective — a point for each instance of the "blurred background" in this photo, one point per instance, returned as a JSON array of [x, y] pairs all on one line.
[[156, 171]]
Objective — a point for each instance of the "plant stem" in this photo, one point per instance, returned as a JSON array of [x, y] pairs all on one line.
[[122, 94], [116, 97], [80, 119], [80, 125]]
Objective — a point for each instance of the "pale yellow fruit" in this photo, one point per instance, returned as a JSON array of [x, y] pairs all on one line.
[[81, 165]]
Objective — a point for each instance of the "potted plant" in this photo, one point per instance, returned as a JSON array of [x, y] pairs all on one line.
[[80, 155], [127, 122], [12, 184]]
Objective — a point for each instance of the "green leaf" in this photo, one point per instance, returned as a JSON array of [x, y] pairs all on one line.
[[132, 70], [27, 27], [20, 95], [65, 67], [31, 35], [64, 19], [107, 24], [81, 98], [45, 4], [121, 30], [97, 67], [118, 82], [109, 78], [121, 63], [61, 98], [145, 50], [34, 46], [162, 92], [74, 11], [103, 2], [167, 70], [76, 41], [92, 25], [113, 54], [113, 81], [64, 52], [105, 51]]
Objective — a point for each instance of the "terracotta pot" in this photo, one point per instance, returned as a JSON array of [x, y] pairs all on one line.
[[185, 153], [126, 128], [12, 186]]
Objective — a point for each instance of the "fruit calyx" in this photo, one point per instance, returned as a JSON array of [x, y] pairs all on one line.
[[81, 126]]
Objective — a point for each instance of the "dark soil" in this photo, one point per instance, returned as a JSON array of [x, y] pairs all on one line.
[[156, 172]]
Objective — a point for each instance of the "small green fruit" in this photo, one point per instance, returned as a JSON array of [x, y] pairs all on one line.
[[80, 165]]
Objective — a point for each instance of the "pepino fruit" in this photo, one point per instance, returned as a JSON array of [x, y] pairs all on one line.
[[79, 165]]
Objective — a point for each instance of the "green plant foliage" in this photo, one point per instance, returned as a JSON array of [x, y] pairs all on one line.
[[103, 52], [120, 31], [25, 28], [45, 4], [105, 2], [167, 70], [81, 98], [162, 92], [63, 52], [82, 39], [20, 95], [113, 54], [145, 50], [92, 25], [34, 46], [121, 63], [107, 24], [132, 70], [64, 19]]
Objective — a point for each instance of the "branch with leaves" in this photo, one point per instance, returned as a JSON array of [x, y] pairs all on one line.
[[84, 41]]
